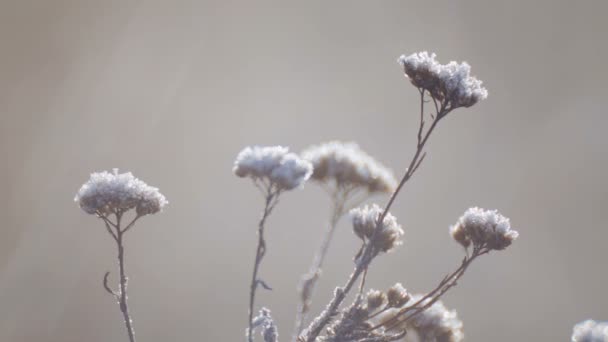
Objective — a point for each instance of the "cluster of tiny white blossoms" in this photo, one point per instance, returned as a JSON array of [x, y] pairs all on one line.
[[590, 331], [110, 192], [365, 221], [437, 323], [275, 164], [349, 165], [451, 84], [486, 229]]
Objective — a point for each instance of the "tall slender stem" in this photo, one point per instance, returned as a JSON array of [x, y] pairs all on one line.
[[318, 324], [309, 280], [117, 234], [124, 307], [260, 251]]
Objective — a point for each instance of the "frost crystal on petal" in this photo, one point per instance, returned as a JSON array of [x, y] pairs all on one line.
[[274, 163], [450, 84], [364, 224], [590, 331], [105, 193], [484, 228], [348, 165]]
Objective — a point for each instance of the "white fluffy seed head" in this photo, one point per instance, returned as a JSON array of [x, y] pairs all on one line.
[[105, 193], [450, 84], [590, 331], [349, 165], [364, 221], [274, 163], [484, 229]]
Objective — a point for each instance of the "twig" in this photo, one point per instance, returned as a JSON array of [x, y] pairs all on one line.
[[432, 297], [308, 283], [120, 296], [271, 200]]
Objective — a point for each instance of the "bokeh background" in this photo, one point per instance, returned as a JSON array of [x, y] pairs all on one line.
[[172, 90]]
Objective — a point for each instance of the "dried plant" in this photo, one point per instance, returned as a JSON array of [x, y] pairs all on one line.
[[344, 168], [109, 196], [350, 176]]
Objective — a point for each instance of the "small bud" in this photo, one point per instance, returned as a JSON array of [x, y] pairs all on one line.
[[375, 299], [397, 296]]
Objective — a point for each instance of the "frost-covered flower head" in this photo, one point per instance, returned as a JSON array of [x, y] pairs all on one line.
[[451, 84], [275, 164], [106, 193], [590, 331], [437, 323], [348, 165], [364, 224], [484, 228]]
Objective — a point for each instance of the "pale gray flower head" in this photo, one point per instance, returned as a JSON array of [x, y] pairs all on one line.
[[437, 323], [349, 166], [364, 224], [275, 164], [484, 229], [450, 84], [590, 331], [110, 192]]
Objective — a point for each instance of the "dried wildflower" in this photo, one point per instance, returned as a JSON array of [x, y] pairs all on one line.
[[450, 84], [397, 296], [364, 224], [484, 228], [435, 324], [106, 193], [275, 164], [590, 331], [269, 329], [375, 299], [349, 166]]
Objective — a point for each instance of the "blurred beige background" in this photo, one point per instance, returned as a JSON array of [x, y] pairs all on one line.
[[172, 90]]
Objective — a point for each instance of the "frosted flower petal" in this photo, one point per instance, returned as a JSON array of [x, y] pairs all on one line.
[[451, 84], [348, 165], [364, 224], [105, 193], [275, 163], [483, 228], [590, 331]]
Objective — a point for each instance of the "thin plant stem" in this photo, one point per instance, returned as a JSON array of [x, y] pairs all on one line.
[[271, 200], [309, 280], [369, 252], [121, 296], [433, 296]]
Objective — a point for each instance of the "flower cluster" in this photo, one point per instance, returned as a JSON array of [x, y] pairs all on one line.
[[451, 84], [365, 221], [484, 228], [269, 329], [348, 165], [590, 331], [437, 323], [275, 164], [375, 299], [106, 193]]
